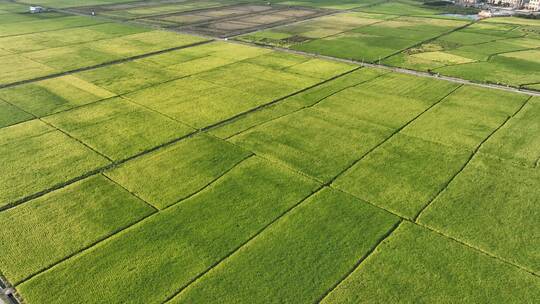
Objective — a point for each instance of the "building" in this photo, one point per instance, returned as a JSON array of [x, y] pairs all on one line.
[[533, 5], [517, 4], [467, 2]]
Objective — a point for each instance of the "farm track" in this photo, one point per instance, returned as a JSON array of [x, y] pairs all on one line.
[[211, 39], [400, 70]]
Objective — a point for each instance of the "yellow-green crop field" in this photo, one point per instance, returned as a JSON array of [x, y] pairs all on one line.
[[139, 165], [502, 51]]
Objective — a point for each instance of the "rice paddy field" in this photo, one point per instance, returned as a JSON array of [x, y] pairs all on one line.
[[499, 50], [139, 165], [365, 37]]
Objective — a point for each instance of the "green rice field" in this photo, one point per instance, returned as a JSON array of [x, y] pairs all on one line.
[[504, 51], [359, 36], [142, 165]]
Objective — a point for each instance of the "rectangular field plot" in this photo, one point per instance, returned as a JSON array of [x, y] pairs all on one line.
[[118, 128], [317, 143], [140, 165], [53, 95], [39, 24], [129, 76], [24, 16], [196, 102], [350, 122], [190, 165], [404, 174], [102, 51], [36, 157], [333, 4], [318, 28], [501, 206], [146, 72], [373, 102], [358, 36], [467, 117], [415, 264], [233, 20], [206, 15], [295, 103], [70, 3], [186, 240], [10, 115], [212, 96], [491, 52], [139, 9], [44, 40], [298, 258], [46, 230], [402, 8], [215, 18], [518, 141], [12, 7], [16, 68]]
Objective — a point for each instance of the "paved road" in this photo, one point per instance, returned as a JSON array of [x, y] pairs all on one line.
[[398, 70], [372, 65]]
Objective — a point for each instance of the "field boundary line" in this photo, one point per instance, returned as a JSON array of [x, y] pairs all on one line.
[[188, 12], [471, 157], [318, 38], [129, 191], [513, 51], [439, 232], [209, 39], [265, 105], [368, 202], [481, 251], [129, 226], [71, 44], [77, 140], [150, 150], [273, 161], [279, 8], [395, 69], [398, 130], [235, 250], [47, 115], [361, 260], [93, 172], [531, 83], [84, 249], [429, 40], [487, 60], [211, 182], [104, 64], [59, 29], [305, 107]]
